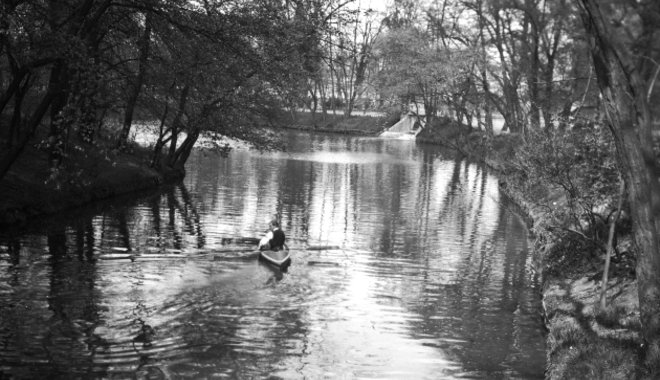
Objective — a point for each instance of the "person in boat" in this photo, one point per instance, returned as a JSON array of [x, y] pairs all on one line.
[[274, 239]]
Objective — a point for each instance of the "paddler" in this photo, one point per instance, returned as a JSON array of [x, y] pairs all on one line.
[[274, 239]]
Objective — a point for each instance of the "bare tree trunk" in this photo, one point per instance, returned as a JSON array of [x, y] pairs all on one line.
[[59, 82], [621, 77], [488, 113], [533, 73], [322, 97], [183, 152], [10, 156], [14, 87], [17, 117], [160, 143], [137, 84], [331, 67], [176, 124], [314, 101], [551, 49], [610, 244]]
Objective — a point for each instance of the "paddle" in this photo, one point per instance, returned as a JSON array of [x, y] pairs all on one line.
[[218, 254], [240, 240], [322, 247]]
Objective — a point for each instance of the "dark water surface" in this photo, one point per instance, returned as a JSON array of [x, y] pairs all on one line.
[[433, 279]]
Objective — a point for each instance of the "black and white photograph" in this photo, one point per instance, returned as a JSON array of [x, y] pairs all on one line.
[[329, 189]]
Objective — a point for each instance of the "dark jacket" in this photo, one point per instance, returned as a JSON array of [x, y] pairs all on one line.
[[277, 242]]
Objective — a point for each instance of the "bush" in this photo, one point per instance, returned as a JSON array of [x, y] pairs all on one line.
[[575, 173], [569, 256], [445, 131]]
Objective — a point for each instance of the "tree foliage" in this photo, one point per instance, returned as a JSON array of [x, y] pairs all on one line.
[[220, 66], [574, 176], [416, 68]]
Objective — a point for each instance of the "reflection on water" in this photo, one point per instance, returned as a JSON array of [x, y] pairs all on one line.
[[433, 278]]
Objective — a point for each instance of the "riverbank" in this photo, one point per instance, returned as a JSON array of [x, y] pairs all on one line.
[[583, 341], [99, 171], [356, 124], [90, 173]]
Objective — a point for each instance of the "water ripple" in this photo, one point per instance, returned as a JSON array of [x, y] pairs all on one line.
[[432, 280]]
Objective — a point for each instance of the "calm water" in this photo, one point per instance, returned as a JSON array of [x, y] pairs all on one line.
[[433, 278]]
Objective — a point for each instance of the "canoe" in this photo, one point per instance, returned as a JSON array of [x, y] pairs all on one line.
[[281, 259]]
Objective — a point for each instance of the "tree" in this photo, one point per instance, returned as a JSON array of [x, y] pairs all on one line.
[[354, 56], [228, 73], [502, 21], [136, 84], [416, 68], [623, 37], [44, 53], [212, 66]]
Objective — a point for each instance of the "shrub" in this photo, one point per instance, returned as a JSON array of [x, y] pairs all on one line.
[[569, 256], [576, 170]]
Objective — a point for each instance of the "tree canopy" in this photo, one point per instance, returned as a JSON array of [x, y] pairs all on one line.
[[222, 66]]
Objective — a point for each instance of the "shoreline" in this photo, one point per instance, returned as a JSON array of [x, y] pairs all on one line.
[[96, 173], [29, 191], [120, 183], [573, 322], [354, 125], [348, 132], [582, 341]]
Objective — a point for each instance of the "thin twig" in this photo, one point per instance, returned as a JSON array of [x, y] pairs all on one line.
[[582, 235], [586, 90], [610, 240], [652, 84]]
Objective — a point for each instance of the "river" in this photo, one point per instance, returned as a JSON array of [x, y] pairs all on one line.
[[428, 274]]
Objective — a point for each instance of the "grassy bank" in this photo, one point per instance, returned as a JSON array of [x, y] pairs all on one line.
[[583, 340], [90, 172], [362, 125]]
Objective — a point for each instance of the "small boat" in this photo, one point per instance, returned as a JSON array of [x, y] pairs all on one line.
[[281, 259]]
